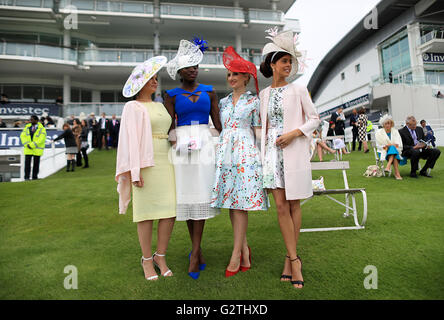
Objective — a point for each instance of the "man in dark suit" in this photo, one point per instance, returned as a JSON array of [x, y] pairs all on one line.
[[338, 119], [414, 149], [114, 131], [103, 135], [354, 125]]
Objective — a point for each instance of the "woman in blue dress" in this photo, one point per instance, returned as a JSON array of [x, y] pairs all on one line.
[[194, 151], [238, 180]]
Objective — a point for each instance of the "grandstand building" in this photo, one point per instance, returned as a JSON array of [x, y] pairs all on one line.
[[84, 50], [396, 67]]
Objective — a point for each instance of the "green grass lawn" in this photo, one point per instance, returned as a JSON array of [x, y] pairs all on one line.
[[72, 219]]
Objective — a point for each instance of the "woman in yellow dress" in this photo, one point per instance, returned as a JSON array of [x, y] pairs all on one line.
[[143, 166]]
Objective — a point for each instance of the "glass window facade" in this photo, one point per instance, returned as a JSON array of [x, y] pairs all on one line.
[[395, 56]]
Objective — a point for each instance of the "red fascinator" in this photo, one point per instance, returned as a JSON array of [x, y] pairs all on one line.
[[235, 63]]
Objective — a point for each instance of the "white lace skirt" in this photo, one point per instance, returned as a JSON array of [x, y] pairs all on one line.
[[194, 171]]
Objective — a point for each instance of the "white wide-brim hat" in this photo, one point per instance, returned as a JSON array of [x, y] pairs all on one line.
[[284, 41], [141, 74], [188, 55]]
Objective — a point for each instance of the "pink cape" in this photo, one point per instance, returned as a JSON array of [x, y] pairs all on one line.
[[135, 149]]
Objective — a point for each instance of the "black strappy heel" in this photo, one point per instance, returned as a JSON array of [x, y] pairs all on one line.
[[286, 276], [297, 281]]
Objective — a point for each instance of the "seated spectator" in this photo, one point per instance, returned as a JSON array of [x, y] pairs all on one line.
[[428, 132], [338, 144], [439, 95], [415, 148], [59, 100], [318, 144], [390, 144], [2, 124], [17, 124]]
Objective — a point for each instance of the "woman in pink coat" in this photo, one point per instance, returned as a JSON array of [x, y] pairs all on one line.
[[142, 166], [288, 120]]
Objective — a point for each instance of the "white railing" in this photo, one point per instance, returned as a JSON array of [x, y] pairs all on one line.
[[115, 55], [96, 107], [27, 3], [266, 15], [434, 34], [36, 50], [138, 7], [199, 11]]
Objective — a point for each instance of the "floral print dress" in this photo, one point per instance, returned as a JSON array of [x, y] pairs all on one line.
[[238, 180], [273, 164]]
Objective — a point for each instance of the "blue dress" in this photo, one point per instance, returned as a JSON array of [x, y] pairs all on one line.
[[238, 182], [392, 150], [194, 168]]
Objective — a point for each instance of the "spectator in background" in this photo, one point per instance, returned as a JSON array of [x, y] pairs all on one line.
[[71, 146], [43, 121], [103, 133], [77, 130], [439, 95], [428, 132], [2, 124], [337, 143], [414, 149], [93, 126], [362, 128], [71, 120], [84, 143], [17, 124], [33, 138], [354, 125], [391, 76], [158, 98], [318, 144], [59, 100], [4, 99], [49, 122], [114, 128], [390, 144]]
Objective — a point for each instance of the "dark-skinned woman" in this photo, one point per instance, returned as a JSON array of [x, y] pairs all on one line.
[[193, 154]]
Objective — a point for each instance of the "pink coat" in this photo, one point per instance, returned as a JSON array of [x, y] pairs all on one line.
[[135, 149], [299, 113]]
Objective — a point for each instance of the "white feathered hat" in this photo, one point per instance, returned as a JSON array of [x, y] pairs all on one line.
[[188, 55], [285, 41]]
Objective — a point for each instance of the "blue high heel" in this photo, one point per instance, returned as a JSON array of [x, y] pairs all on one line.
[[201, 265], [194, 275]]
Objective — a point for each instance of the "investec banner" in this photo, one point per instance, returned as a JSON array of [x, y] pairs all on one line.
[[358, 101], [29, 109], [433, 58], [11, 138]]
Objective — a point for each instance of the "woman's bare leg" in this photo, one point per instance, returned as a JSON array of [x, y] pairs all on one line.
[[288, 231], [239, 222], [164, 230], [145, 231]]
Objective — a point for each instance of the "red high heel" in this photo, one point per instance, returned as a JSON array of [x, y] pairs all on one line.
[[229, 273], [243, 269]]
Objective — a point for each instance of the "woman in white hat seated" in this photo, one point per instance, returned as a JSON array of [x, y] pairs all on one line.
[[193, 156], [285, 143], [389, 144], [143, 166]]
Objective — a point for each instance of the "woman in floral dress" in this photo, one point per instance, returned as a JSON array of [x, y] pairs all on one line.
[[238, 180]]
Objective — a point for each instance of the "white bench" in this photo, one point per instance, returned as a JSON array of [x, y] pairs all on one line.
[[348, 192]]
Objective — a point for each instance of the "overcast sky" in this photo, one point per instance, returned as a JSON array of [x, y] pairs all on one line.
[[323, 24]]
